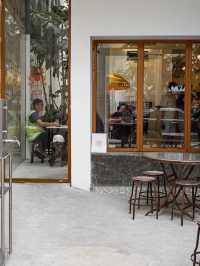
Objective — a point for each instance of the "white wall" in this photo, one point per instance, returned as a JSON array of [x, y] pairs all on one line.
[[128, 18]]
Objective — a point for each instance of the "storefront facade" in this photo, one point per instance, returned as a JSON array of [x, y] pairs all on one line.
[[104, 36], [144, 56]]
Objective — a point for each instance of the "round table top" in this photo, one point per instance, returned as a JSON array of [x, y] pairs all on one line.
[[173, 157]]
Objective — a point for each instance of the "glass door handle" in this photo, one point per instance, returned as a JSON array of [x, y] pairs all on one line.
[[15, 141]]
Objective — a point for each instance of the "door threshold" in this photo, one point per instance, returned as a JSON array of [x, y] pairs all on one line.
[[40, 180]]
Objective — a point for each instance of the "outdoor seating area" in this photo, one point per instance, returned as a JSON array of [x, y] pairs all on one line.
[[160, 186], [181, 191]]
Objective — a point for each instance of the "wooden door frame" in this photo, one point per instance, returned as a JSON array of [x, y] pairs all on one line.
[[66, 179]]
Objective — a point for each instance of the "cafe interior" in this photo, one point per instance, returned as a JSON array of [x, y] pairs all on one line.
[[147, 95]]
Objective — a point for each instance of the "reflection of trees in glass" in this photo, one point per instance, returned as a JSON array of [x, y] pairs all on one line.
[[49, 22], [14, 71]]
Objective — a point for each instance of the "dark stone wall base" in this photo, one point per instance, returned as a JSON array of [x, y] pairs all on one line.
[[116, 169]]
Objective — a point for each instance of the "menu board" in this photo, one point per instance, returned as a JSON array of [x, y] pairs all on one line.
[[99, 143]]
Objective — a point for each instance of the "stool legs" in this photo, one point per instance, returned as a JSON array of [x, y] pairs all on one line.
[[165, 185], [147, 194], [185, 202], [194, 193], [151, 195], [157, 190], [131, 197], [134, 201], [196, 247], [182, 204], [174, 195], [139, 196]]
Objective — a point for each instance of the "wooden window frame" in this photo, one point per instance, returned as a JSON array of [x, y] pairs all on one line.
[[140, 94]]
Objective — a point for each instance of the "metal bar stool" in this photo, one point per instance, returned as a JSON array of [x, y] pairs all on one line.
[[196, 252], [161, 180], [182, 185], [138, 182]]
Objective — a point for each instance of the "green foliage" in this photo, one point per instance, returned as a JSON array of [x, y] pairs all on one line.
[[49, 48]]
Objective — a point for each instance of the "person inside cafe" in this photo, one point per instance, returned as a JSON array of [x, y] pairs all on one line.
[[196, 115], [37, 128], [120, 124]]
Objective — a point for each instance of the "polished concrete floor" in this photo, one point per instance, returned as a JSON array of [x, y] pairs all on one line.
[[40, 170], [55, 225]]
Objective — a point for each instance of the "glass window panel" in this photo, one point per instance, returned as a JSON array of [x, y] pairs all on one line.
[[15, 75], [117, 93], [164, 86], [195, 112]]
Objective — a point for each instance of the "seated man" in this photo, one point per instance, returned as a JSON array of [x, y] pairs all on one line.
[[37, 125], [120, 124]]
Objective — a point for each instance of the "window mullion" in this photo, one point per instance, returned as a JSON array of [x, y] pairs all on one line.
[[187, 101], [140, 95]]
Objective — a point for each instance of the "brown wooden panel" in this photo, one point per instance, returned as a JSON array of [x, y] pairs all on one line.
[[140, 95], [123, 149], [195, 150], [187, 101], [39, 180], [94, 85], [153, 41], [69, 97]]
